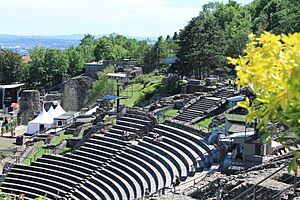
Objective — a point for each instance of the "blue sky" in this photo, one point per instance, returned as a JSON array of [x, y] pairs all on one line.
[[128, 17]]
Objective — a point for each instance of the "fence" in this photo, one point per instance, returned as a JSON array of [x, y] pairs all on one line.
[[253, 189]]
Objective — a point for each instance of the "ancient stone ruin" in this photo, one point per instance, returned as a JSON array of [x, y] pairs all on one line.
[[30, 105], [75, 93]]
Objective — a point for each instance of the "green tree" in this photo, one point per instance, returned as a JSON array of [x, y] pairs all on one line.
[[10, 66], [37, 70], [175, 36], [86, 47], [101, 86], [201, 46], [103, 50], [56, 65], [277, 16], [75, 61]]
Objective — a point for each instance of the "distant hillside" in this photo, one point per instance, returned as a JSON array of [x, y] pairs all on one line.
[[22, 44]]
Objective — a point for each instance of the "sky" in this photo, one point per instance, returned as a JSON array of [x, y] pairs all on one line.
[[144, 18]]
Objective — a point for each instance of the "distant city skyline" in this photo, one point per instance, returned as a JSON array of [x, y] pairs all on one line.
[[142, 18]]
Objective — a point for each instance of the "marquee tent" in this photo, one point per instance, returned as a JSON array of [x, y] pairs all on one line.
[[51, 111], [42, 122], [58, 111]]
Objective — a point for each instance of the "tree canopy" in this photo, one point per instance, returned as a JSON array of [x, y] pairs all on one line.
[[11, 67], [220, 30]]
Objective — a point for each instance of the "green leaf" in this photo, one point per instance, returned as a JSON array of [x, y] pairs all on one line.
[[297, 154], [293, 166]]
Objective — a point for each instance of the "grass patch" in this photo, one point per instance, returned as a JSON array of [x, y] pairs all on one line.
[[205, 123], [170, 112], [146, 78], [39, 144], [65, 150], [34, 157], [166, 114], [61, 138], [133, 92]]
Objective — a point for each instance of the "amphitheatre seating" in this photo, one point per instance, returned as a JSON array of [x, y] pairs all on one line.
[[107, 166], [224, 93], [198, 109]]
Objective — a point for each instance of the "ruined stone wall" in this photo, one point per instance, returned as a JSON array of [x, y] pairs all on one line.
[[75, 93], [30, 105]]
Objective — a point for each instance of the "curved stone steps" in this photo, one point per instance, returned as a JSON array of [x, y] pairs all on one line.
[[28, 195], [195, 147], [46, 181], [98, 186], [189, 135], [173, 170], [130, 124], [113, 135], [184, 148], [62, 174], [172, 148], [85, 159], [105, 144], [90, 193], [65, 164], [112, 180], [48, 190], [98, 152], [59, 168], [177, 161], [126, 128], [149, 177], [71, 160], [93, 156], [126, 180], [110, 139], [28, 189], [159, 169], [139, 182], [66, 182]]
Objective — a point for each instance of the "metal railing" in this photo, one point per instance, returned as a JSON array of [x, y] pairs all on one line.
[[254, 187]]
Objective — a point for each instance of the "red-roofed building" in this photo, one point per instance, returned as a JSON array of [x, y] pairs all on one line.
[[26, 59]]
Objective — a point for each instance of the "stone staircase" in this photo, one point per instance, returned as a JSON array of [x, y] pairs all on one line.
[[204, 106]]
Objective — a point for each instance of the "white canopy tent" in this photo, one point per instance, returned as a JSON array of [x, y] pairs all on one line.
[[42, 121], [58, 111], [51, 111]]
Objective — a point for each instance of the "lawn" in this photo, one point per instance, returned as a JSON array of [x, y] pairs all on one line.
[[61, 138], [34, 156], [166, 114], [41, 152], [205, 123], [170, 112], [39, 144], [65, 150], [133, 92]]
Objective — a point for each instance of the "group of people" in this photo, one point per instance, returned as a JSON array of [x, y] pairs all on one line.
[[126, 135], [157, 137]]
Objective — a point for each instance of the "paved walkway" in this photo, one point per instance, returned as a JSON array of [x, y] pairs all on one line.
[[20, 130], [8, 143]]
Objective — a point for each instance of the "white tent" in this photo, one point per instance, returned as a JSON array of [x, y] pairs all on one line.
[[58, 111], [51, 112], [42, 120]]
